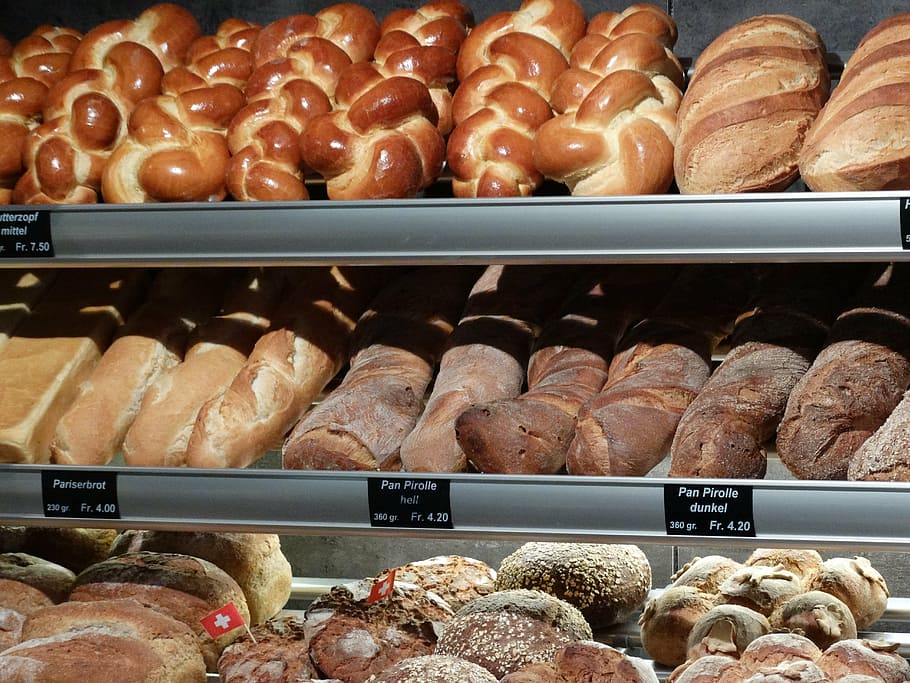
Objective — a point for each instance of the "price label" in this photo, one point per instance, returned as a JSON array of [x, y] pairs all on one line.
[[708, 510], [905, 222], [410, 503], [26, 234], [91, 495]]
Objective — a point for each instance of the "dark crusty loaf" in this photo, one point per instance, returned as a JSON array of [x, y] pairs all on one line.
[[586, 660], [753, 94], [885, 455], [456, 579], [859, 141], [52, 579], [667, 620], [279, 655]]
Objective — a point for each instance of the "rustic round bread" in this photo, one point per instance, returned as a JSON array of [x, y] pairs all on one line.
[[184, 587], [254, 561], [73, 547], [352, 639], [705, 573], [760, 587], [667, 620], [707, 669], [434, 668], [507, 630], [22, 598], [804, 562], [865, 657], [279, 654], [773, 649], [820, 616], [726, 630], [173, 642], [799, 671], [456, 579], [52, 579], [586, 661], [857, 583], [607, 582]]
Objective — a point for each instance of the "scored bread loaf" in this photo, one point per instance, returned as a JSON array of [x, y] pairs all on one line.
[[395, 348], [53, 350], [859, 141], [485, 359], [287, 368], [661, 365], [220, 346], [753, 94], [152, 341], [854, 383], [531, 433]]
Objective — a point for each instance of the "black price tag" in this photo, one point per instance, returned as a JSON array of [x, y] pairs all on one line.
[[905, 222], [91, 495], [411, 503], [25, 234], [708, 510]]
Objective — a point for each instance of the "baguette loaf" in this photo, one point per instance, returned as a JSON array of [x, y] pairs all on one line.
[[162, 427], [754, 92], [724, 431], [662, 363], [286, 370], [152, 342], [859, 141], [485, 360], [396, 347], [531, 433], [53, 350], [854, 383]]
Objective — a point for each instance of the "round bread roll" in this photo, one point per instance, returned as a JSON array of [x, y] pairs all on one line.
[[507, 630], [586, 661], [172, 641], [52, 579], [667, 620], [705, 573], [280, 654], [434, 668], [352, 639], [856, 582], [184, 587], [726, 630], [22, 598], [254, 561], [457, 580], [760, 588], [606, 582], [773, 649], [821, 617], [867, 658], [10, 627], [803, 562], [707, 669]]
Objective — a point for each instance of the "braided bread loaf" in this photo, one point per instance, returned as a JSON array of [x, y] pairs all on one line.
[[506, 68], [617, 122], [297, 62], [37, 62], [384, 139], [117, 64], [176, 147]]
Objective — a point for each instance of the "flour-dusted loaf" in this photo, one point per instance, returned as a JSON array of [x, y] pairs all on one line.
[[753, 94], [821, 617], [456, 579], [667, 620], [858, 584], [254, 561], [860, 656], [280, 654], [586, 660], [859, 141], [885, 455]]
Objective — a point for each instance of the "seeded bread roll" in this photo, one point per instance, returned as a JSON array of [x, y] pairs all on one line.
[[667, 620], [606, 582], [865, 657], [434, 668], [857, 583], [52, 579], [821, 617]]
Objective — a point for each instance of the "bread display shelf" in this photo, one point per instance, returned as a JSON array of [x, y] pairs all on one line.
[[775, 226], [624, 509]]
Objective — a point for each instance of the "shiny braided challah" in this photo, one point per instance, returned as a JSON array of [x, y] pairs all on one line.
[[506, 68], [176, 148], [385, 139], [117, 64], [297, 62], [616, 125], [36, 62]]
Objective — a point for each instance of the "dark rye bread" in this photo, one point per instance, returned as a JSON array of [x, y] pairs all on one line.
[[606, 582], [584, 661], [279, 655], [50, 578], [352, 639], [72, 547]]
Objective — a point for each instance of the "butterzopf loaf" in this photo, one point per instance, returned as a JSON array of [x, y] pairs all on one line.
[[395, 349], [854, 383], [52, 579], [606, 582], [254, 561], [456, 579], [53, 350], [352, 638], [509, 629], [434, 668], [753, 94], [859, 141], [184, 587], [586, 660]]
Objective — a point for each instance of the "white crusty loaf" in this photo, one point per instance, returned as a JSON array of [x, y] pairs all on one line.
[[754, 92], [861, 139]]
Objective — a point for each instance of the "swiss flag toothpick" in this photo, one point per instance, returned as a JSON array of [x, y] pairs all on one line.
[[382, 588], [224, 620]]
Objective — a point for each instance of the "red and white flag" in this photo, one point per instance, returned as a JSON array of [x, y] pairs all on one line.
[[382, 588], [223, 620]]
